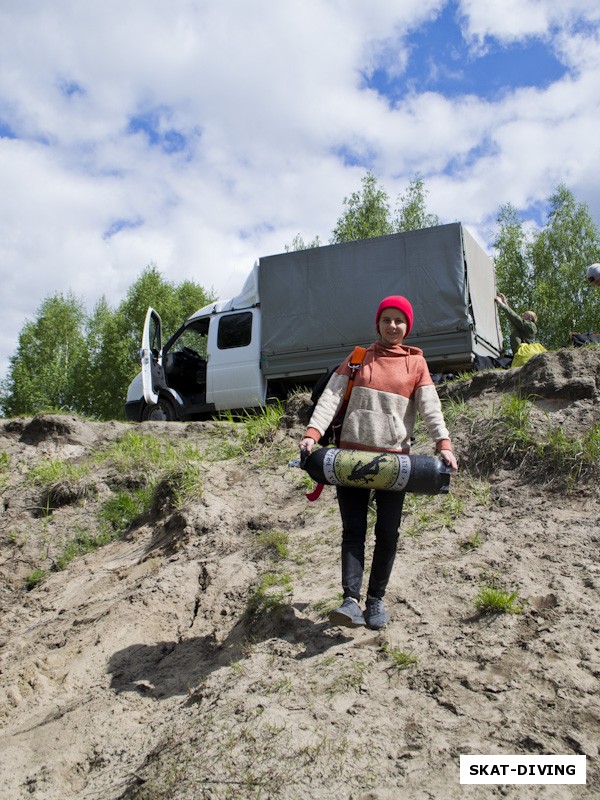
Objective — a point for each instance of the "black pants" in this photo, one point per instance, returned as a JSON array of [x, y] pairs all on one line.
[[353, 505]]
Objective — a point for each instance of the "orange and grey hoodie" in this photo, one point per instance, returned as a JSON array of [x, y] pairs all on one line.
[[392, 385]]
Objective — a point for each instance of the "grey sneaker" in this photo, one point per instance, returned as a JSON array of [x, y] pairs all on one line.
[[348, 614], [375, 614]]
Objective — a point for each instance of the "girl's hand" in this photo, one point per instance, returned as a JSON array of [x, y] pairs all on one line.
[[307, 443], [450, 459]]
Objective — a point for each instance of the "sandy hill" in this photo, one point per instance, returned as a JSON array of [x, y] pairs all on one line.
[[190, 656]]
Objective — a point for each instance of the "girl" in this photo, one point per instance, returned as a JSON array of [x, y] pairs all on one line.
[[390, 387]]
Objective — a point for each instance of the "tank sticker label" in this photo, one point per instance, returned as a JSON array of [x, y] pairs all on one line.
[[367, 470]]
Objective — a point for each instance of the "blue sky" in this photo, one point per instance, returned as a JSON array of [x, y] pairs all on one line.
[[199, 135], [440, 59]]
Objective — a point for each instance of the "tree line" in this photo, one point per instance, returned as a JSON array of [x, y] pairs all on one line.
[[67, 359], [545, 270], [541, 270]]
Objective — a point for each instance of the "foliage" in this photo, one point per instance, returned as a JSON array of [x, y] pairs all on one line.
[[182, 484], [298, 243], [67, 359], [545, 271], [513, 270], [82, 543], [411, 213], [258, 427], [5, 462], [109, 352], [560, 254], [367, 213], [114, 337], [472, 542], [53, 470], [43, 373], [275, 543], [37, 576], [423, 512], [143, 459]]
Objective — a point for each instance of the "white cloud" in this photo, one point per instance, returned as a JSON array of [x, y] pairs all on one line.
[[514, 20], [254, 102]]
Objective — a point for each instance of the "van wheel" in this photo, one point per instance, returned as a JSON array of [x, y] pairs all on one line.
[[163, 411]]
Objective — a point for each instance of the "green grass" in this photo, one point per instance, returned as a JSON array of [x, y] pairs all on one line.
[[472, 542], [119, 511], [271, 597], [144, 453], [303, 481], [400, 660], [572, 457], [493, 600], [260, 428], [349, 679], [82, 544], [323, 607], [157, 466], [480, 491], [149, 472], [61, 483], [54, 470], [275, 544], [423, 512], [254, 429], [182, 484], [543, 450], [455, 410], [37, 576], [5, 462]]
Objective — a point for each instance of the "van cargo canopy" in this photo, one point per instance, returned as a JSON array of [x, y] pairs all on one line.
[[331, 294]]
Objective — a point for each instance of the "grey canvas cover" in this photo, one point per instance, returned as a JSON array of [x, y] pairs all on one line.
[[325, 299]]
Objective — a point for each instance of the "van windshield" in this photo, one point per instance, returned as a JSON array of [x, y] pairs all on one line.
[[194, 337]]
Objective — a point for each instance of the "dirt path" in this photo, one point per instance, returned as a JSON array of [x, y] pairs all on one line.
[[191, 658]]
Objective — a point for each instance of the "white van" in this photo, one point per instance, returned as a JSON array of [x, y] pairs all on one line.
[[300, 313]]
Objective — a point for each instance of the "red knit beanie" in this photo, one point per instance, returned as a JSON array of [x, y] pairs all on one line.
[[397, 301]]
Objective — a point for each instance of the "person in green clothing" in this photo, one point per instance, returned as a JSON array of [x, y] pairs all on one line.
[[523, 328]]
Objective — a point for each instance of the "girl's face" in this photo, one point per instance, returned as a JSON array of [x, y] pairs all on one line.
[[392, 326]]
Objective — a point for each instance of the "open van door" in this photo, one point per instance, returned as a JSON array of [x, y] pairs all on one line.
[[151, 356]]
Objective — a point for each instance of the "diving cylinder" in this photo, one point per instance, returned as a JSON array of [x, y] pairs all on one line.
[[395, 472]]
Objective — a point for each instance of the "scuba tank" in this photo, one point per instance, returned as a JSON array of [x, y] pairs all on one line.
[[394, 472]]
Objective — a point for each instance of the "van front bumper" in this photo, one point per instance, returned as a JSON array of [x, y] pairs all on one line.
[[133, 410]]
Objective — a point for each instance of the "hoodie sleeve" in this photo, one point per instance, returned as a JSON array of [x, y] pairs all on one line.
[[328, 405], [430, 408]]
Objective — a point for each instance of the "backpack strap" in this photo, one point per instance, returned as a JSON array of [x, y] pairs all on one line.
[[355, 363]]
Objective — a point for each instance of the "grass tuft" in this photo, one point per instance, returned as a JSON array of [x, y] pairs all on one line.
[[255, 429], [400, 660], [512, 437], [37, 576], [493, 600], [271, 597], [274, 543], [120, 510]]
